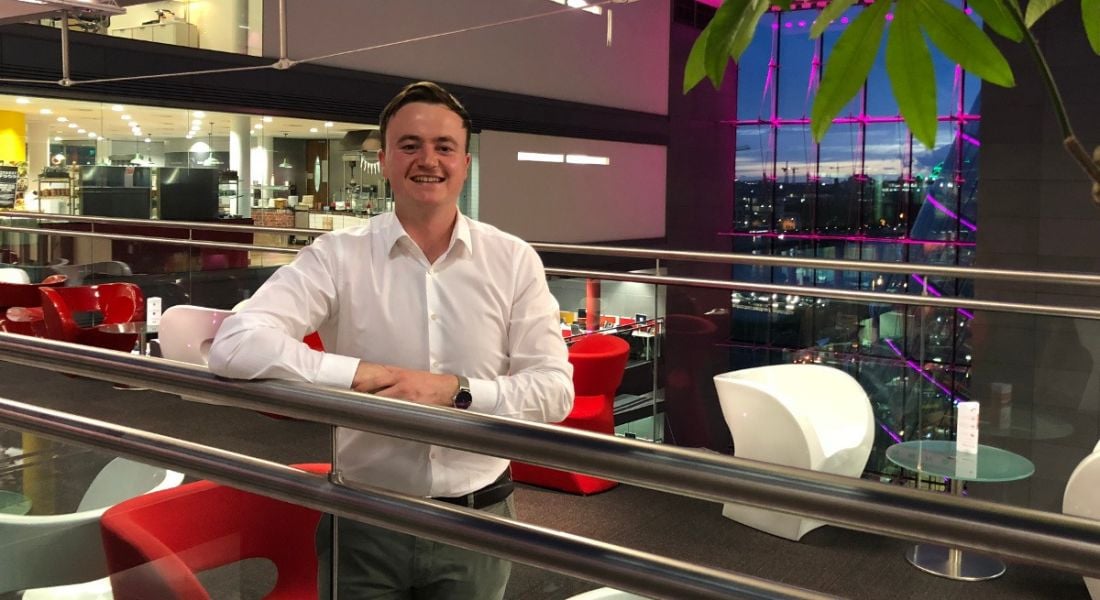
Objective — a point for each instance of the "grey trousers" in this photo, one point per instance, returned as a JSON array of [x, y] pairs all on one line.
[[376, 563]]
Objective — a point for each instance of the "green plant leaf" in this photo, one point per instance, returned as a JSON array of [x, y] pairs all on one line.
[[694, 70], [828, 15], [720, 39], [912, 76], [996, 14], [746, 27], [848, 65], [1036, 9], [964, 42], [1090, 14]]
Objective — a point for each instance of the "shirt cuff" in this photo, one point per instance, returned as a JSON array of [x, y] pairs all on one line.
[[485, 394], [336, 370]]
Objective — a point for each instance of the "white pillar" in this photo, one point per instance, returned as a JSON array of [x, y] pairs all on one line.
[[38, 152], [240, 160]]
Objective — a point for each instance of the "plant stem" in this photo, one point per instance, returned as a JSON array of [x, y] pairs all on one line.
[[1069, 138]]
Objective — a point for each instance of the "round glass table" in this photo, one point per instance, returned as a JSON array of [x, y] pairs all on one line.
[[143, 330], [942, 459]]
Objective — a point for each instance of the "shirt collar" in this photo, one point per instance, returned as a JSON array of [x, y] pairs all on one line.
[[392, 233]]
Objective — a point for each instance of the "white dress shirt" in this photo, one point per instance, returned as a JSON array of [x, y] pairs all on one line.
[[483, 310]]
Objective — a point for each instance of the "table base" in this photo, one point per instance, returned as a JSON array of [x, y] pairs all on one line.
[[953, 563]]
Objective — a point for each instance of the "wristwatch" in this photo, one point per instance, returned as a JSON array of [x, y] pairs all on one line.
[[462, 398]]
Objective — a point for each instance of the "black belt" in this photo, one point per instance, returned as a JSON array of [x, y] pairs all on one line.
[[489, 495]]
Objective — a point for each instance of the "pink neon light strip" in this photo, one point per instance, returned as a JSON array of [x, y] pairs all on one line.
[[962, 117], [973, 141], [914, 366], [950, 213], [846, 238], [932, 290]]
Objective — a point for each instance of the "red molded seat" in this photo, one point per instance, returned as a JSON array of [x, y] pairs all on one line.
[[20, 303], [598, 365], [157, 542], [110, 303]]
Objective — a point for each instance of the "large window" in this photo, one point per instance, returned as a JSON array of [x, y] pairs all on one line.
[[868, 191]]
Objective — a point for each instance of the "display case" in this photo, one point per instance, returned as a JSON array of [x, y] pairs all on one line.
[[364, 186], [228, 193], [55, 195]]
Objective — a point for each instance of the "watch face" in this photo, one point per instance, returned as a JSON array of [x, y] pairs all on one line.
[[463, 399]]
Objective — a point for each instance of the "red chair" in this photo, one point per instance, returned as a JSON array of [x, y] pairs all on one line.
[[21, 304], [598, 365], [109, 303], [157, 542]]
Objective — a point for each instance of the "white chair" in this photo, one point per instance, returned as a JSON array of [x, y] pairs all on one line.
[[61, 550], [807, 416], [186, 332], [14, 275], [1080, 500], [607, 594]]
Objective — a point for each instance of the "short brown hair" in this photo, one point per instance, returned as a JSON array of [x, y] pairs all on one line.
[[427, 92]]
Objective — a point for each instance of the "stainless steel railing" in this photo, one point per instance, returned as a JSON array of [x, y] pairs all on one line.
[[1017, 534], [589, 559], [658, 255]]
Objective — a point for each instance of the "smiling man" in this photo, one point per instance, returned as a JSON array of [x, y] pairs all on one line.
[[423, 305]]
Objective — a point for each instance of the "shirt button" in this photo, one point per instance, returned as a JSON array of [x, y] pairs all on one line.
[[434, 317], [433, 455]]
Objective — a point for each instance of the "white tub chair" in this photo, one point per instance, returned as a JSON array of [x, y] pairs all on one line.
[[14, 275], [186, 333], [63, 550], [1080, 500], [807, 416], [607, 594]]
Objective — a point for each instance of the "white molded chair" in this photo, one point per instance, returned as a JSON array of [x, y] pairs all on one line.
[[61, 550], [807, 416], [1080, 500], [186, 332], [606, 593], [14, 275]]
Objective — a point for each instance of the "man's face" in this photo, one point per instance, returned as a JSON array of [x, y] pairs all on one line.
[[424, 156]]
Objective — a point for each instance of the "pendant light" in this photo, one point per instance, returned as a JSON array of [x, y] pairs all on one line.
[[211, 160], [286, 163]]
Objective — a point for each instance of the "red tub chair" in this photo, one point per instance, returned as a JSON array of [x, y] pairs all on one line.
[[156, 543], [110, 303], [21, 304], [598, 365]]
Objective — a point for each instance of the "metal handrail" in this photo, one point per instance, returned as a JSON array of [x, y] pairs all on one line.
[[625, 568], [1013, 533], [838, 294], [811, 291], [977, 273], [200, 225]]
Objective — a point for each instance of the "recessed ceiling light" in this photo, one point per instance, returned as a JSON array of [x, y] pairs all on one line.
[[46, 111], [196, 121], [118, 107], [267, 119], [147, 140], [81, 130], [199, 114], [258, 126], [57, 138], [72, 125], [22, 100], [328, 123], [91, 134], [313, 130], [62, 120], [125, 117]]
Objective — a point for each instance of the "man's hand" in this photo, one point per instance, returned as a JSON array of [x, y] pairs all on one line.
[[421, 387], [369, 378]]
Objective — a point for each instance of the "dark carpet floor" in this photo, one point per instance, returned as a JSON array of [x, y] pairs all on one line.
[[832, 560]]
